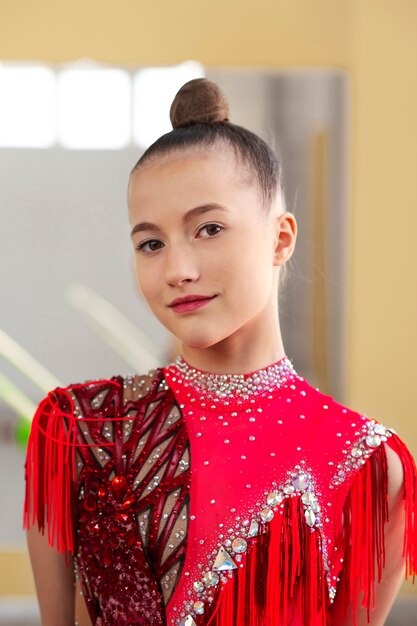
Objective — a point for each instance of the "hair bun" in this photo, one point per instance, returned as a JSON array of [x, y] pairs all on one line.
[[199, 100]]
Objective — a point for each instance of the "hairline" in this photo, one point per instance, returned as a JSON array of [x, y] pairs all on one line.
[[210, 146]]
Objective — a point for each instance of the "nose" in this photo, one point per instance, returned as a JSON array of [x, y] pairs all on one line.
[[180, 265]]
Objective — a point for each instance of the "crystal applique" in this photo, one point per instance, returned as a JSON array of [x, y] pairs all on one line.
[[373, 441], [220, 386], [239, 545], [253, 528], [199, 607], [310, 517], [223, 561], [188, 621], [274, 498], [266, 515], [373, 436], [210, 579], [299, 483]]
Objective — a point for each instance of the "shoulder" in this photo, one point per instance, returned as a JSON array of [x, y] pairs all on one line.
[[339, 415], [347, 437], [118, 389], [336, 421]]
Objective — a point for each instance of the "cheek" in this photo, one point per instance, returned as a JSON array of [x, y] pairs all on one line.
[[146, 283], [247, 266]]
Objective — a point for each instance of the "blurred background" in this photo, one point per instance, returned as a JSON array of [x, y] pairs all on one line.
[[86, 87]]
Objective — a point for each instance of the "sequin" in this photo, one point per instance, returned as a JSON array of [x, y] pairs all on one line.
[[122, 506]]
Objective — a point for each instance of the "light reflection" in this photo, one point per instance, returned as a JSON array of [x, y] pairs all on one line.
[[94, 108], [153, 91], [27, 106]]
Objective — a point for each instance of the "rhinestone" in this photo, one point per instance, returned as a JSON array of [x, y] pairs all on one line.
[[199, 607], [266, 515], [239, 545], [373, 441], [300, 483], [220, 386], [210, 579], [308, 498], [198, 586], [188, 621], [274, 498], [310, 517], [356, 452], [223, 561], [253, 528]]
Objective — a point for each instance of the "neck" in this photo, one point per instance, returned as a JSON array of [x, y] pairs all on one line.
[[252, 347]]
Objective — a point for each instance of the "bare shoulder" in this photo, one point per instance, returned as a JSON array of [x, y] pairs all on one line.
[[395, 475]]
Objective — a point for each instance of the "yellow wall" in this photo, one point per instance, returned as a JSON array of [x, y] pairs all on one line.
[[376, 41], [211, 31], [383, 349]]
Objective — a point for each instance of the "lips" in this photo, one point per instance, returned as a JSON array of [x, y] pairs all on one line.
[[190, 303]]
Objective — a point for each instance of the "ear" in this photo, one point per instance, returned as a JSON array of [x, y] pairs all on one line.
[[285, 237]]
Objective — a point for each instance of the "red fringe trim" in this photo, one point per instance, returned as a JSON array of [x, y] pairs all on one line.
[[365, 514], [282, 577], [50, 471], [49, 474]]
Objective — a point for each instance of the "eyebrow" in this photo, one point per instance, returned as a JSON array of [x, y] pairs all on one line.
[[198, 210]]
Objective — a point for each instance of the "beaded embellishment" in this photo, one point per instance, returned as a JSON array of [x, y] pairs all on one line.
[[217, 387], [227, 556], [373, 434]]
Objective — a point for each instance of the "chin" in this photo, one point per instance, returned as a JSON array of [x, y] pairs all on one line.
[[197, 343], [202, 341], [198, 340]]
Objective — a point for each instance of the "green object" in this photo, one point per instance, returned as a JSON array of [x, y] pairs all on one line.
[[22, 432]]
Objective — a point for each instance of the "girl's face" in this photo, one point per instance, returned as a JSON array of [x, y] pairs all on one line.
[[199, 230]]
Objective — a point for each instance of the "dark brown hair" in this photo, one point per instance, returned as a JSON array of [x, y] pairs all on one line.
[[200, 119]]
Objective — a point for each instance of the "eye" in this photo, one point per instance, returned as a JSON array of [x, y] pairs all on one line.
[[211, 229], [151, 243]]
